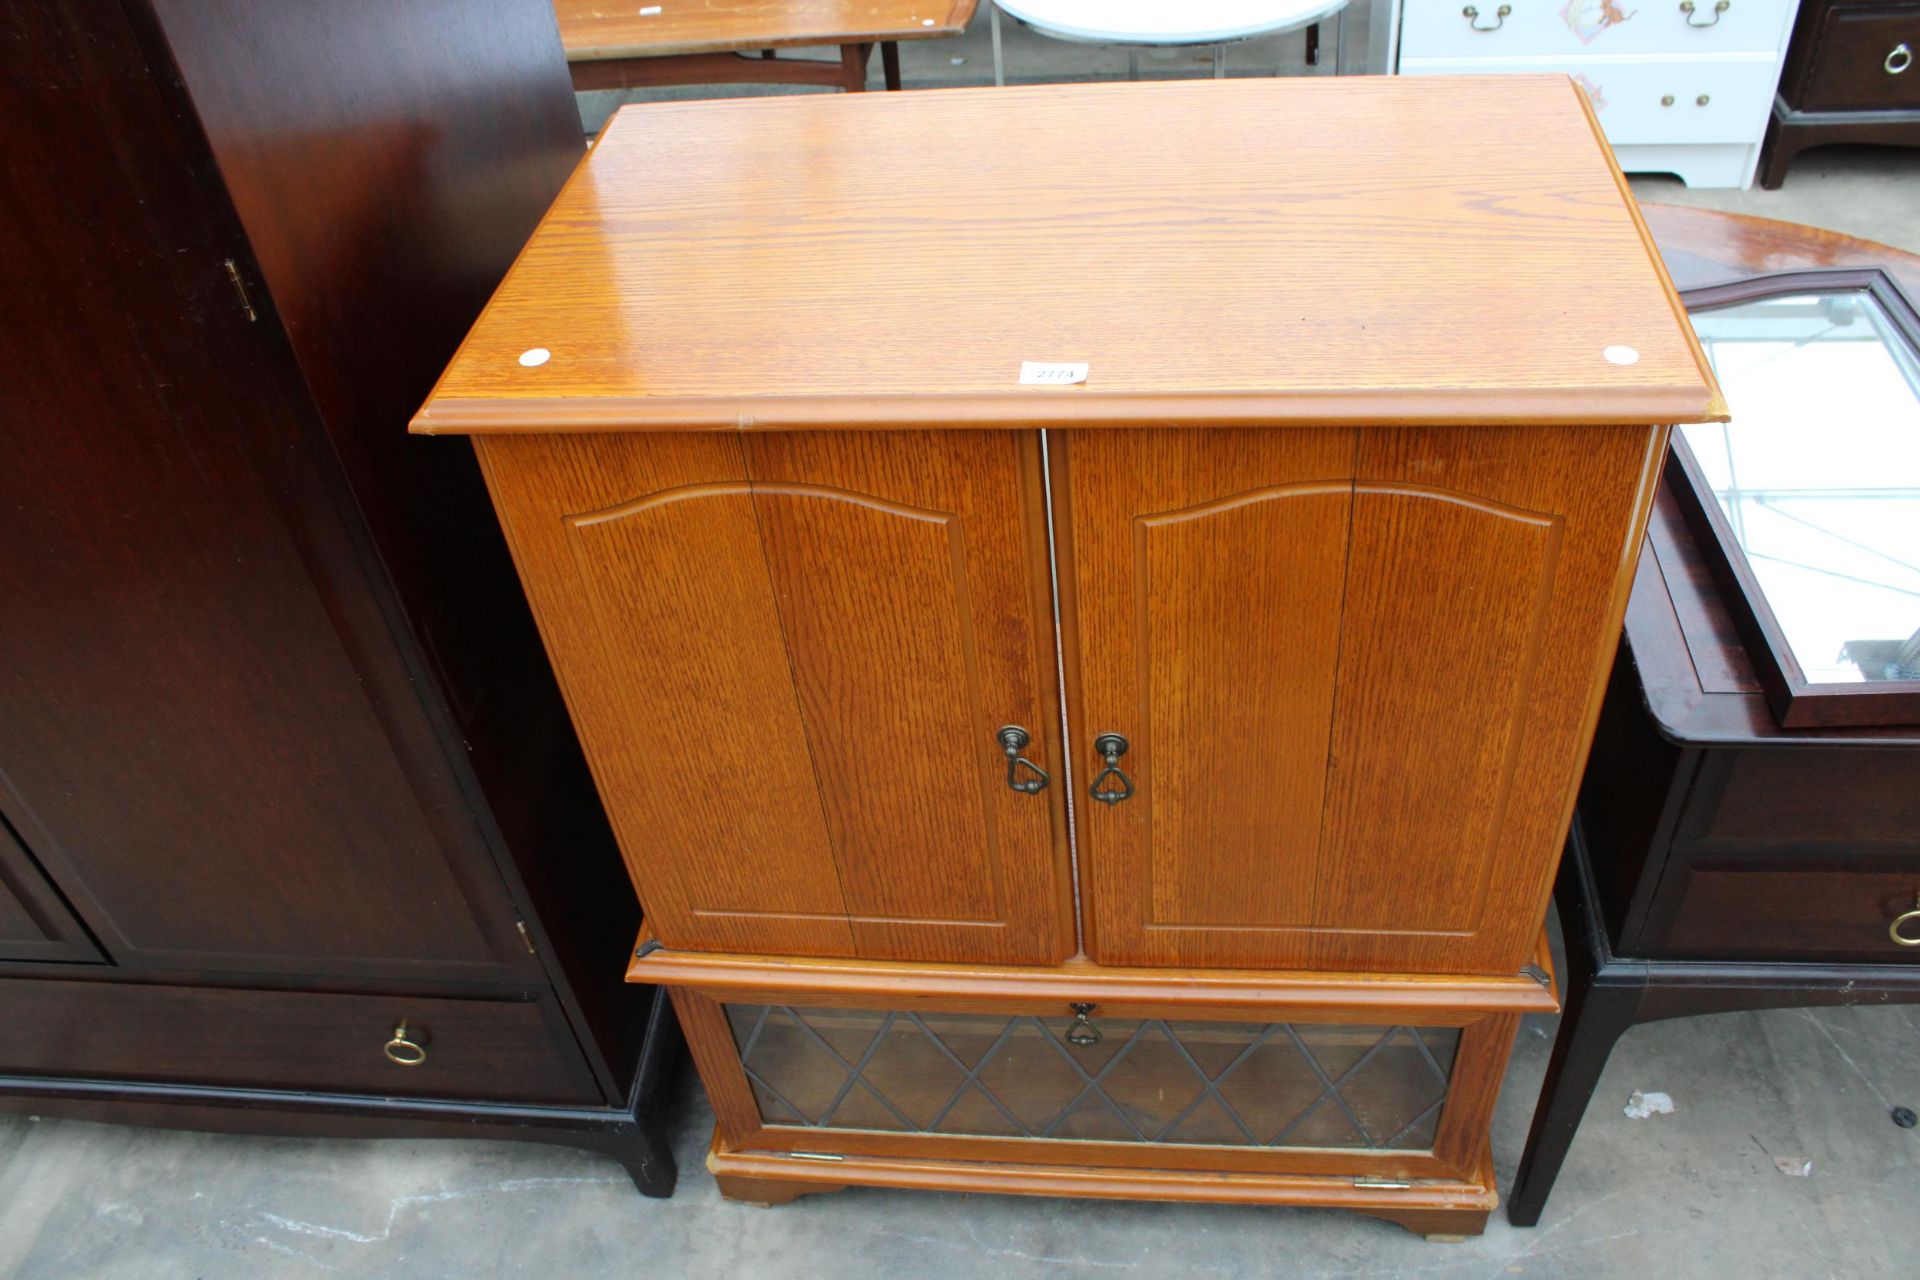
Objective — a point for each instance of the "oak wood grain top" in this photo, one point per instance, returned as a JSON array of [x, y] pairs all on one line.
[[601, 30], [1366, 250]]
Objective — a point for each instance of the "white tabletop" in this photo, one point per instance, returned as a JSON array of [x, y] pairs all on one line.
[[1167, 21]]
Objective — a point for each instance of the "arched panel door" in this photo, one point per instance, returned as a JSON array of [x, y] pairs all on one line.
[[1201, 575], [1356, 672], [789, 658]]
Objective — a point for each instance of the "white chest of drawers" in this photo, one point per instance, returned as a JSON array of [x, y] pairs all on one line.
[[1680, 86]]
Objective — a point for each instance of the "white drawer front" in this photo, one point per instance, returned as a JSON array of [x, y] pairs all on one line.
[[1589, 28], [1629, 94]]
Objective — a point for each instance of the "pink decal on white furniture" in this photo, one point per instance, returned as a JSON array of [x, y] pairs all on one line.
[[1588, 19]]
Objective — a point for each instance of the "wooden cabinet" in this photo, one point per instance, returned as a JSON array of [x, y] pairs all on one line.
[[1849, 77], [1319, 579], [282, 768]]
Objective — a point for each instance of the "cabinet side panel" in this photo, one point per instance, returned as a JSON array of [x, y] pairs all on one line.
[[1488, 578], [906, 569], [1207, 571], [642, 558]]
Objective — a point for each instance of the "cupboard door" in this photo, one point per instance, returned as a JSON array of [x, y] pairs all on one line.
[[788, 657], [1201, 579], [1488, 573], [1357, 672]]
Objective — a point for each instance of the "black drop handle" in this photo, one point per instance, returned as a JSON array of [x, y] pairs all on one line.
[[1110, 747], [1013, 740]]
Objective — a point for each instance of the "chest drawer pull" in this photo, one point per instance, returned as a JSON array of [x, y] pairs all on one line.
[[1895, 932], [1472, 15], [1013, 740], [1720, 7], [403, 1050], [1900, 59], [1082, 1033]]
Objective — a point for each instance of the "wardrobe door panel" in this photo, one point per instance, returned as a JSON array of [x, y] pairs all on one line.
[[1485, 585], [34, 923], [788, 658], [1201, 579]]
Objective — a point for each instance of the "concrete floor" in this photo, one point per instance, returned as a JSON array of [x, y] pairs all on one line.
[[1695, 1193]]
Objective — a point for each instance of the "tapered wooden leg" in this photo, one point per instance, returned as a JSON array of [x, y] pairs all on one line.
[[1442, 1226], [853, 66], [890, 62], [1596, 1016], [768, 1192]]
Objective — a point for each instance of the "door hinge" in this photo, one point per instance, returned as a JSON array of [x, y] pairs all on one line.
[[646, 948], [811, 1155], [240, 290], [526, 937], [1383, 1184], [1537, 973]]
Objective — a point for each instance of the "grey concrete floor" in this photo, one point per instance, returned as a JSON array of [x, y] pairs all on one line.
[[1695, 1193]]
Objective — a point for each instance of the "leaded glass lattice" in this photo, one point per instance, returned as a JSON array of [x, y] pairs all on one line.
[[1147, 1080]]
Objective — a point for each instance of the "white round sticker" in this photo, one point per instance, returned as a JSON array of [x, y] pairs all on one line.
[[534, 357], [1621, 355]]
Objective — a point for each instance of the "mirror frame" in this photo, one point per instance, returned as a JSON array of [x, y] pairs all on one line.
[[1797, 702]]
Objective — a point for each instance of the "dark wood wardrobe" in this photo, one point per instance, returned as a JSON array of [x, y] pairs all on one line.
[[296, 836]]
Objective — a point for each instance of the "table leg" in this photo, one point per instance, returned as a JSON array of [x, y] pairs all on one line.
[[1596, 1016], [1339, 42], [1313, 45], [853, 67], [1133, 63], [890, 62], [993, 18], [1219, 62]]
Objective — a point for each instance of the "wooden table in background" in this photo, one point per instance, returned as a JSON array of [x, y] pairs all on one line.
[[619, 44]]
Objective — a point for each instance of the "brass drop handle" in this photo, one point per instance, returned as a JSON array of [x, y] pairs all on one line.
[[1110, 747], [1894, 930], [1902, 55], [1472, 15], [1013, 740], [1719, 7], [1082, 1033], [404, 1050]]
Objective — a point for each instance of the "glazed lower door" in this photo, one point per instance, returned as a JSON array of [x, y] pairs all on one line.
[[1134, 1088], [1355, 672], [790, 659]]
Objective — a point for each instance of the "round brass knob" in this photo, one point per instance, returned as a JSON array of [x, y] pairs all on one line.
[[1666, 100], [403, 1050], [1895, 932]]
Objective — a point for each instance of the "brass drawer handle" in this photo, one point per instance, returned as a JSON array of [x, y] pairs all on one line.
[[1082, 1033], [1110, 747], [1720, 7], [1472, 15], [1013, 740], [403, 1050], [1902, 54], [1893, 930]]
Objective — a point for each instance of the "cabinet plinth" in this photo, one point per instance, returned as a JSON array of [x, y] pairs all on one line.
[[1149, 787]]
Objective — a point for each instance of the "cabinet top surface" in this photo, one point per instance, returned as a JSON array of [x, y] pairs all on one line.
[[1364, 250]]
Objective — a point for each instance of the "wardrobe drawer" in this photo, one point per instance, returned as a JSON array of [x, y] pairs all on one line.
[[1033, 1083], [1652, 101], [1556, 28], [485, 1050], [1863, 61], [1796, 911]]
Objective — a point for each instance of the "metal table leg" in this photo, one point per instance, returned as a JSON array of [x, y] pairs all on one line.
[[999, 69]]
